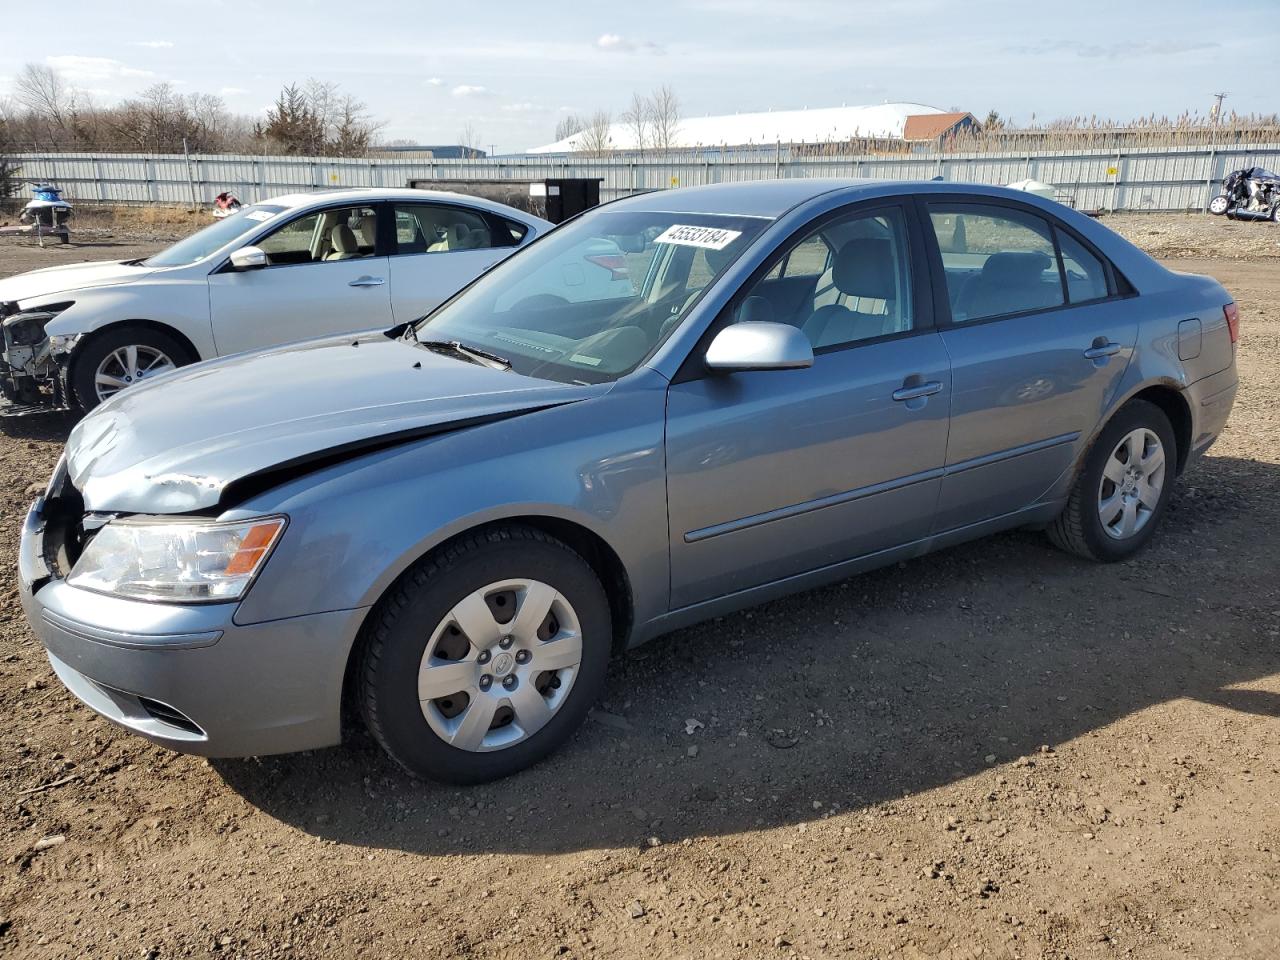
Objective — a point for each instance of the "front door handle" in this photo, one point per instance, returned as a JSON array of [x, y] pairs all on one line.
[[367, 282], [1102, 348], [917, 390]]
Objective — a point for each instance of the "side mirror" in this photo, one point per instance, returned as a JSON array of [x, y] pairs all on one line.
[[248, 258], [756, 345]]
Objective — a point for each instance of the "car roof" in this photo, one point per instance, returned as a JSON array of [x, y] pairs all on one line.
[[772, 198], [298, 201]]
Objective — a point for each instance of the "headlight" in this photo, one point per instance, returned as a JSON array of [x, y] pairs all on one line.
[[177, 561]]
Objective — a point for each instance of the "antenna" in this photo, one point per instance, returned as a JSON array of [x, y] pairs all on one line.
[[1216, 113]]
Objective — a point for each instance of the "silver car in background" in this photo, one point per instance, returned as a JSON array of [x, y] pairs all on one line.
[[459, 522]]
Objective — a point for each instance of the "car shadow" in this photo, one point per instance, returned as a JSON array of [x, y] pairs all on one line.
[[47, 426], [885, 685]]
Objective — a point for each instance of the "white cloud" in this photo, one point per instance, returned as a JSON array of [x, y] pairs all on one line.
[[522, 107], [616, 43], [152, 44], [83, 70], [469, 90], [434, 82], [231, 91]]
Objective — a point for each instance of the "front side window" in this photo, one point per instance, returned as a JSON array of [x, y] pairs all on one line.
[[997, 260], [594, 298], [214, 237], [345, 233], [848, 280], [439, 228]]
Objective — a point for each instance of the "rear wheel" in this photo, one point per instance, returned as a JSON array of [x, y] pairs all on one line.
[[1121, 492], [485, 656], [116, 360], [1218, 205]]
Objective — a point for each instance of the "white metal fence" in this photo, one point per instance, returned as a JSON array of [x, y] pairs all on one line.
[[1179, 178]]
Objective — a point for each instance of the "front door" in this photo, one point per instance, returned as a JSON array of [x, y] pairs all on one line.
[[324, 276], [776, 473], [1038, 342]]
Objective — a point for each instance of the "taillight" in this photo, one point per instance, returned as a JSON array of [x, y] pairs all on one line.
[[1232, 313], [615, 263]]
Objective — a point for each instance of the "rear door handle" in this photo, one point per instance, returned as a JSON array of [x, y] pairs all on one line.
[[915, 391], [367, 282], [1107, 348]]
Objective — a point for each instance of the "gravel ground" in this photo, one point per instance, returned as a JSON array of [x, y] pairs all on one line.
[[995, 751]]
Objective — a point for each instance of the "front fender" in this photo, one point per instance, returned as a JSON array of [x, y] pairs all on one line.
[[356, 526], [182, 304]]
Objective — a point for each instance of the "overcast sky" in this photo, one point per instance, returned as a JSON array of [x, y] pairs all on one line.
[[513, 68]]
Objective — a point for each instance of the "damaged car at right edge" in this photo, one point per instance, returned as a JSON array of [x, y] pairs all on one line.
[[453, 525]]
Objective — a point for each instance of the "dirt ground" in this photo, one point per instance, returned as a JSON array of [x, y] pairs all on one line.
[[997, 751]]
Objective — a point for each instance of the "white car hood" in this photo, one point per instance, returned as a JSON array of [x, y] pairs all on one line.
[[68, 279]]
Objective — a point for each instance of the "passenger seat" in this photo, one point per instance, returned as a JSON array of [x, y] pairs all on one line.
[[343, 241]]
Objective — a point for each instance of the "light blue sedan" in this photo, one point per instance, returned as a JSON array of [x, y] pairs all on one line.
[[459, 522]]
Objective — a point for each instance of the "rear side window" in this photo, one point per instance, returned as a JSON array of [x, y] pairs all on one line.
[[997, 260], [440, 228], [1086, 276]]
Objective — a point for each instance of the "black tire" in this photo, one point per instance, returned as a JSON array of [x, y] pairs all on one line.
[[87, 359], [1079, 529], [398, 630]]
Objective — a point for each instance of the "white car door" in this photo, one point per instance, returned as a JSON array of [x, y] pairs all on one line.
[[324, 276], [440, 248]]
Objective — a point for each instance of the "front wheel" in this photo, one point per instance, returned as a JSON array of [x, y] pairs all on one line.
[[485, 656], [1121, 492], [1219, 204], [112, 361]]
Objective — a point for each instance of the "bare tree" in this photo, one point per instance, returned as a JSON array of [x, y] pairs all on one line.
[[469, 140], [638, 118], [664, 118], [47, 98], [568, 125], [595, 139]]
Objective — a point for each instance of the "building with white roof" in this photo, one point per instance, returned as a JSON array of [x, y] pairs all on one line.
[[825, 125]]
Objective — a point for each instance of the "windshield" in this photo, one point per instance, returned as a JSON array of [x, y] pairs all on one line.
[[594, 298], [214, 237]]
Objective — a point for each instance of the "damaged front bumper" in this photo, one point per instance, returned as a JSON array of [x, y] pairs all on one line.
[[33, 365]]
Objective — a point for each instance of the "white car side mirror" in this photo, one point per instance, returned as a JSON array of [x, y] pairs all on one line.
[[248, 258], [756, 345]]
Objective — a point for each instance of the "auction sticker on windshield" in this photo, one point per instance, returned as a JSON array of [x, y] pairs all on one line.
[[712, 238]]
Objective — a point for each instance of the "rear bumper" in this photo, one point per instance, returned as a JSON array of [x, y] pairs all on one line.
[[189, 677], [1211, 400]]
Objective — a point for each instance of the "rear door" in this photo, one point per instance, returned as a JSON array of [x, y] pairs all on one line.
[[438, 248], [776, 473], [324, 276], [1039, 339]]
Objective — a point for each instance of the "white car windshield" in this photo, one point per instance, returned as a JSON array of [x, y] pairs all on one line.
[[593, 299], [214, 237]]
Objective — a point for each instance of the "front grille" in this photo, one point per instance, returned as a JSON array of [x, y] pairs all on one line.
[[170, 715]]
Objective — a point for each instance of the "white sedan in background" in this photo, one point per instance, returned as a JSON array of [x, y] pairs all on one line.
[[291, 268]]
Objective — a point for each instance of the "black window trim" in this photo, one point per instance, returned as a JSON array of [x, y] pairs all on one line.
[[918, 266], [1118, 286]]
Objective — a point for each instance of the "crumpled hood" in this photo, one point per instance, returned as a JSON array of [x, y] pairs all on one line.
[[174, 444], [69, 278]]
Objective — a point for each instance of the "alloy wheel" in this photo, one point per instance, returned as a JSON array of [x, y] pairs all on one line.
[[126, 365]]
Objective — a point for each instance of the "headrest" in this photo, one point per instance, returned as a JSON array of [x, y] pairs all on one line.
[[755, 310], [864, 268], [1020, 268], [459, 236], [343, 240]]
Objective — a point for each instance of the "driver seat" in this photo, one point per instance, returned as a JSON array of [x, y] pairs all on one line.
[[863, 269]]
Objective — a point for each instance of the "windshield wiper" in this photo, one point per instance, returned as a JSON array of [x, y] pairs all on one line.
[[472, 354]]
